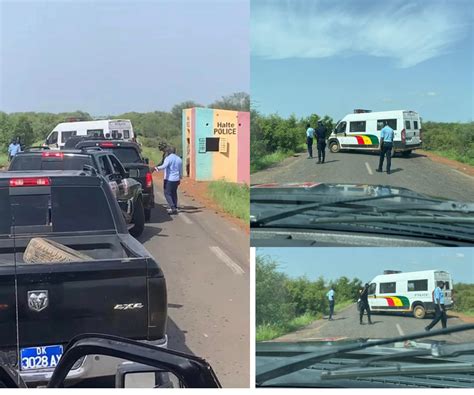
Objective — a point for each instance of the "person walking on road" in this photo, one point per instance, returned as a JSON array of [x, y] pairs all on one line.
[[173, 168], [364, 303], [440, 311], [13, 149], [386, 145], [330, 296], [309, 140], [320, 134]]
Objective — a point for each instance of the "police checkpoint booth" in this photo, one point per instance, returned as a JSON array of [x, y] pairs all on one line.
[[216, 144]]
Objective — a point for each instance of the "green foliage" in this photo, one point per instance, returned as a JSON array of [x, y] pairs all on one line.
[[285, 304], [464, 297], [273, 138], [233, 198], [239, 101]]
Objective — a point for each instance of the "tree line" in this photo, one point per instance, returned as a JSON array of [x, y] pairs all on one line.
[[273, 133], [152, 127], [280, 299]]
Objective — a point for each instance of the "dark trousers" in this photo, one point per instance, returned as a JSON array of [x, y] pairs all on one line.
[[386, 151], [364, 307], [440, 314], [331, 308], [309, 143], [171, 193], [321, 152]]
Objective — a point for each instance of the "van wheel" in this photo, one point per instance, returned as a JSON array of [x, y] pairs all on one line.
[[406, 154], [419, 312], [334, 147], [138, 219]]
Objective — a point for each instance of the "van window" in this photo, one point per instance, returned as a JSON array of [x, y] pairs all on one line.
[[53, 139], [388, 288], [407, 125], [417, 285], [67, 135], [126, 134], [391, 122], [95, 132], [341, 128], [415, 124], [357, 126], [446, 285], [372, 288]]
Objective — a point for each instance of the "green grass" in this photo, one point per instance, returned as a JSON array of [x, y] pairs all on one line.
[[231, 197], [267, 332], [153, 154], [266, 161], [3, 160], [451, 154], [469, 312]]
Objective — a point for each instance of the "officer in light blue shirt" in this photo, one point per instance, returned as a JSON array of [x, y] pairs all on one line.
[[386, 145], [330, 296], [173, 168], [309, 140], [13, 149], [440, 311]]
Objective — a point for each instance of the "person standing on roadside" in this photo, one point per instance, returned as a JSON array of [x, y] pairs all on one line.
[[330, 296], [440, 311], [364, 303], [309, 140], [386, 145], [13, 149], [173, 168], [320, 134]]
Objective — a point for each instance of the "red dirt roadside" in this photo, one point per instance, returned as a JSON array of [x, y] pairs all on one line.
[[459, 166], [197, 191]]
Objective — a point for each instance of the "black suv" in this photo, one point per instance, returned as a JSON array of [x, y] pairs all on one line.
[[130, 155], [127, 191]]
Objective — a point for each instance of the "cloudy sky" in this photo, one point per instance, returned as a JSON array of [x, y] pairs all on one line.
[[330, 57], [112, 56]]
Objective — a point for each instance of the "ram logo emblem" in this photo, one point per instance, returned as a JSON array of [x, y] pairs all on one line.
[[38, 300]]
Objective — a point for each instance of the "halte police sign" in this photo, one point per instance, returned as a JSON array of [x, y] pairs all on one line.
[[225, 128]]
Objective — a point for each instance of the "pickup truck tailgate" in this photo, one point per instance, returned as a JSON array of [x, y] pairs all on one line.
[[101, 297]]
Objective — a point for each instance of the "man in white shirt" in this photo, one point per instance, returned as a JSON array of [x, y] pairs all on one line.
[[173, 168]]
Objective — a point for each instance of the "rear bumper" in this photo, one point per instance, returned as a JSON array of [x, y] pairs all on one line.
[[92, 366], [399, 147], [148, 199]]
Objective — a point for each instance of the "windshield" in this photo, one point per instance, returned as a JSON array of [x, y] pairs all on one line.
[[127, 154], [309, 306], [37, 162]]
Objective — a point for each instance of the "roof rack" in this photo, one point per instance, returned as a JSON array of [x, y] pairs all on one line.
[[36, 148], [361, 111], [91, 148]]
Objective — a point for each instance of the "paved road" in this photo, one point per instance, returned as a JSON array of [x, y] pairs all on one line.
[[206, 264], [346, 325], [417, 172]]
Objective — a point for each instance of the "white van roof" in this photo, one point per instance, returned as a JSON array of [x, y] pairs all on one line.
[[417, 274], [379, 114]]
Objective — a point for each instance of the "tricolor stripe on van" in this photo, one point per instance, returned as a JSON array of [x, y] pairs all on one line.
[[367, 139], [395, 301]]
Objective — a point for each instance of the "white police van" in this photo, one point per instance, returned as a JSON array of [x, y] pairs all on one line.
[[116, 129], [361, 131], [409, 292]]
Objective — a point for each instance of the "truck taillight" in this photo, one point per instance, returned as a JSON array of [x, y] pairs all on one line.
[[106, 145], [30, 182], [59, 155], [148, 180], [404, 136]]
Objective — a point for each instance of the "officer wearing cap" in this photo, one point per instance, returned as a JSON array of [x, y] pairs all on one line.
[[320, 134], [386, 145], [440, 312], [364, 303]]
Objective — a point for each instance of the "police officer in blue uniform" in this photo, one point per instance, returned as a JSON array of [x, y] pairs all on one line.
[[320, 134], [330, 296], [309, 140], [386, 145], [440, 312], [364, 303]]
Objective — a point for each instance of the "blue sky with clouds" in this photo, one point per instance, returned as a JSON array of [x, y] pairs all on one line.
[[108, 57], [329, 57], [366, 263]]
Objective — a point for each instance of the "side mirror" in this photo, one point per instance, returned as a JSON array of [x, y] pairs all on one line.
[[192, 371], [136, 375]]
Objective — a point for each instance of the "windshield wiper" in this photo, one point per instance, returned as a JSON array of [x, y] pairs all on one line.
[[279, 368], [436, 206], [436, 350]]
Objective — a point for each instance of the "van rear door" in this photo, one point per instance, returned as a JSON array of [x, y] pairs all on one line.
[[448, 286], [412, 126]]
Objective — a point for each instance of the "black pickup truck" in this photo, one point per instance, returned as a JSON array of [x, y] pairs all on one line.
[[120, 290], [127, 190], [130, 155]]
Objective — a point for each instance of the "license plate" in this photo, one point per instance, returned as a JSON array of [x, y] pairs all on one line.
[[43, 357], [134, 173]]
